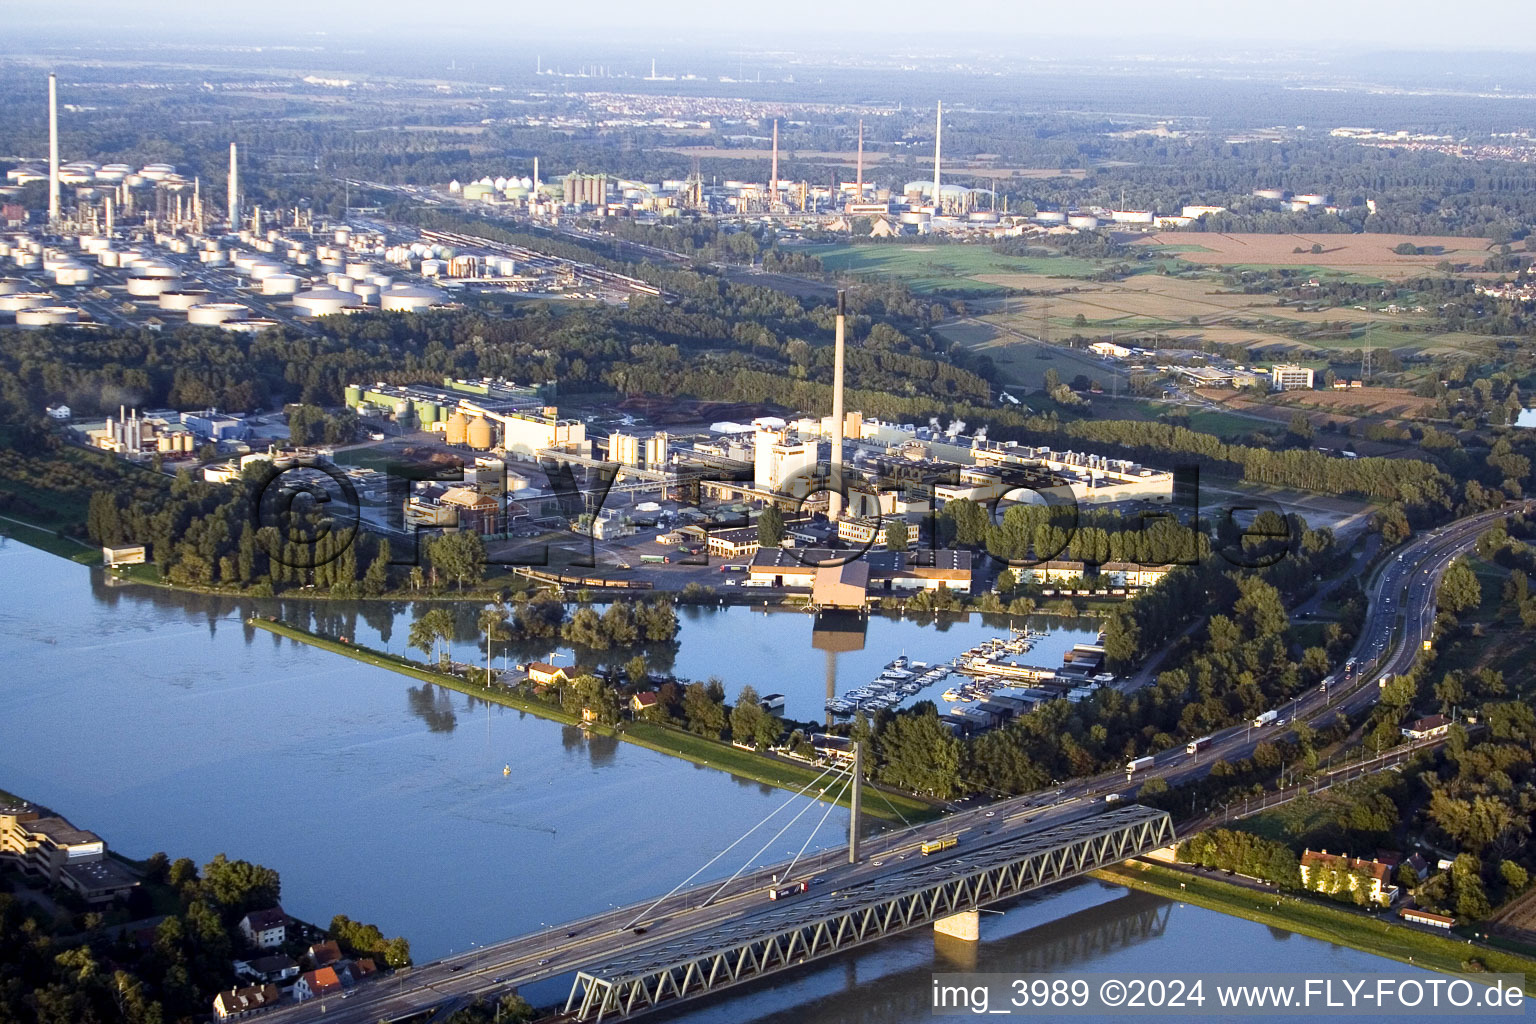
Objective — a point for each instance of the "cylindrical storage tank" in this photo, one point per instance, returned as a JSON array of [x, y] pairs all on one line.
[[263, 245], [358, 269], [109, 257], [410, 299], [213, 257], [181, 301], [154, 268], [331, 266], [322, 302], [246, 260], [476, 191], [12, 285], [262, 271], [427, 412], [379, 281], [147, 286], [74, 275], [281, 284], [480, 434], [303, 259], [352, 395], [402, 411], [914, 217], [343, 236], [432, 268], [46, 316], [95, 245], [274, 235], [456, 429], [1051, 217], [367, 293], [211, 314], [13, 301], [245, 236], [177, 245], [1269, 193], [26, 259], [341, 282], [1083, 221]]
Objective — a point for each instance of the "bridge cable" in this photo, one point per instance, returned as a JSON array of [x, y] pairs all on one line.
[[728, 849], [820, 823], [764, 849]]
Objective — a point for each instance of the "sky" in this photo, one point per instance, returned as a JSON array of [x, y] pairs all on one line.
[[1499, 25]]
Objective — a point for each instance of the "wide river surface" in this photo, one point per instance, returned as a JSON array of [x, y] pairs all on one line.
[[161, 722]]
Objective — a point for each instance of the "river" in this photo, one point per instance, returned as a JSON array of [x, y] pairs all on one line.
[[160, 721]]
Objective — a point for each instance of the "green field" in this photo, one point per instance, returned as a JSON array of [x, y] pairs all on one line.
[[938, 268]]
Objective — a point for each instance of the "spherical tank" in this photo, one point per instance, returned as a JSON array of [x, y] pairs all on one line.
[[480, 434], [457, 429]]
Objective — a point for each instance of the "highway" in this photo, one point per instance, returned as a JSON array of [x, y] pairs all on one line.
[[1401, 594]]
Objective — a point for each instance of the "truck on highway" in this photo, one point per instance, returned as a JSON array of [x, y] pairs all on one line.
[[1195, 746], [786, 891], [1350, 666], [936, 845], [655, 559], [1137, 764], [1261, 721]]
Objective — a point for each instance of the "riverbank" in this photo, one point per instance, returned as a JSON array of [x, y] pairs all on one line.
[[1321, 921], [769, 770]]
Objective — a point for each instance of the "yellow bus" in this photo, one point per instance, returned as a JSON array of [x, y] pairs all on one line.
[[936, 845]]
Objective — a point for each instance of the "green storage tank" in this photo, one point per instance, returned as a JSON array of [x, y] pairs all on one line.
[[427, 412], [354, 394]]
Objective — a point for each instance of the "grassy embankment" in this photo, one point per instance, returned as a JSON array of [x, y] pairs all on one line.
[[1321, 921], [746, 764]]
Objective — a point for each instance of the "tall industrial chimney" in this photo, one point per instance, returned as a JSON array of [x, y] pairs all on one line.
[[234, 190], [773, 176], [858, 196], [938, 137], [533, 196], [53, 149], [110, 218], [835, 501]]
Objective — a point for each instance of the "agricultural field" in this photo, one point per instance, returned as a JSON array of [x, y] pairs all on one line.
[[1021, 360], [1370, 256], [1186, 311], [938, 268]]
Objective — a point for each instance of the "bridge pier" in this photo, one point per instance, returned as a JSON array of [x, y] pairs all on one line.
[[965, 925]]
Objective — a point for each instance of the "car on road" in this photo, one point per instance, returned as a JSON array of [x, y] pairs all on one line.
[[640, 931], [455, 967], [543, 962], [991, 814]]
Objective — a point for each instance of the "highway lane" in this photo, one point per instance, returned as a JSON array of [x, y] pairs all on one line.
[[1403, 586]]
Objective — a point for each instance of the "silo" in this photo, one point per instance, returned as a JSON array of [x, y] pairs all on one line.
[[426, 411], [352, 394], [456, 430], [480, 434], [402, 411], [211, 314]]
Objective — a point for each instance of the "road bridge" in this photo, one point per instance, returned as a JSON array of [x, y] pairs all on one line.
[[924, 892]]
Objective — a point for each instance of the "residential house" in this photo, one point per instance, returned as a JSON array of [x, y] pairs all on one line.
[[317, 984], [323, 953], [541, 673], [265, 929], [1427, 728], [1131, 575], [1055, 571], [645, 701], [275, 967], [243, 1002], [1330, 873]]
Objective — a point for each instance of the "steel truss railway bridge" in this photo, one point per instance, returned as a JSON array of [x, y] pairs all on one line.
[[946, 893]]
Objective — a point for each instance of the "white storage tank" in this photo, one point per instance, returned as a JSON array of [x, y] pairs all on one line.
[[210, 314], [213, 257], [26, 259], [181, 301], [322, 302], [409, 298], [1269, 193], [153, 268], [47, 316], [343, 236], [246, 260], [358, 269], [13, 301], [432, 268], [1083, 221], [380, 281], [147, 286], [12, 285], [262, 271], [1050, 217], [73, 275], [341, 282], [109, 257], [281, 284], [368, 294]]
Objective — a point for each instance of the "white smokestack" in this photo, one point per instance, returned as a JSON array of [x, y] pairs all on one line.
[[773, 180], [938, 138], [53, 149], [835, 502], [234, 189]]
